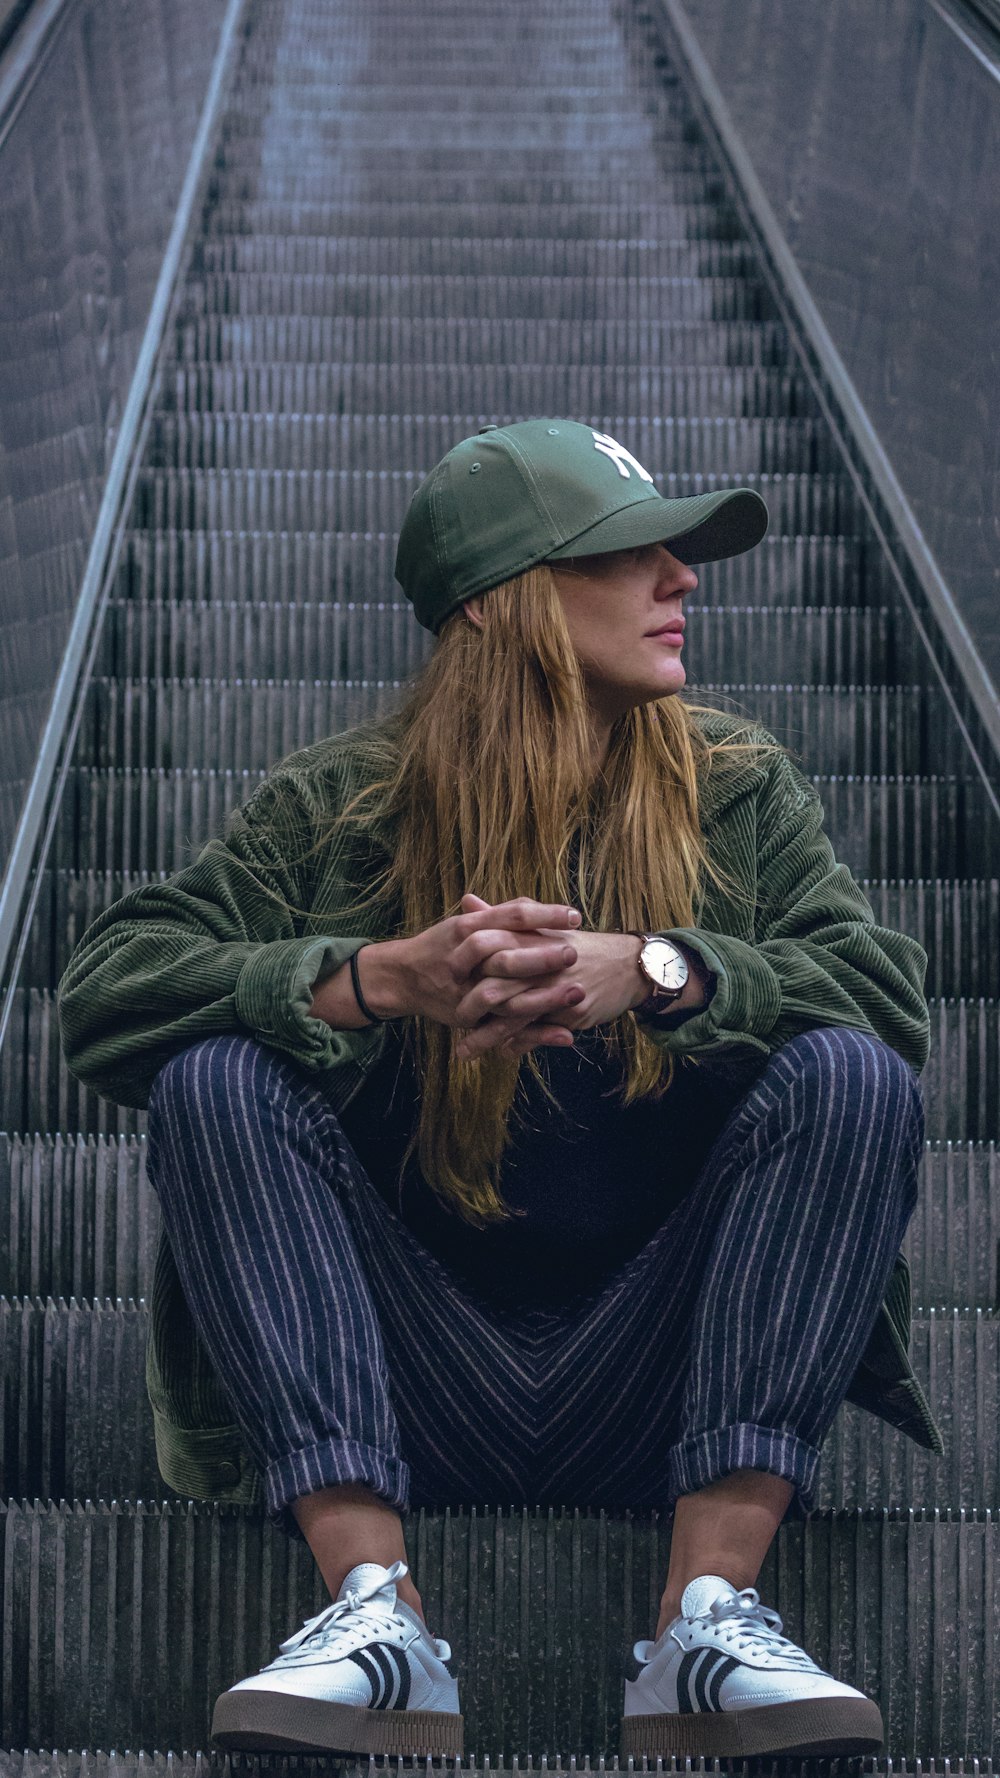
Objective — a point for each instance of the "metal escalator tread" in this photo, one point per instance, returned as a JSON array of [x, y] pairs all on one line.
[[958, 919], [81, 1220], [418, 220], [959, 1106], [170, 637], [708, 391], [302, 499], [404, 339], [198, 566], [77, 1424], [598, 219], [775, 445], [171, 722]]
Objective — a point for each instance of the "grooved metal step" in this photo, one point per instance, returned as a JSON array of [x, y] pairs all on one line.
[[78, 1217], [426, 216], [712, 391], [199, 566], [171, 638], [420, 220], [158, 818], [853, 729], [956, 921], [959, 1082], [601, 183], [376, 500], [375, 442], [631, 301], [146, 1612], [97, 1764], [75, 1423], [319, 339], [542, 256]]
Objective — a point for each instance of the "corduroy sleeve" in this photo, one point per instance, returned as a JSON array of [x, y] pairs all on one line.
[[206, 952], [818, 956]]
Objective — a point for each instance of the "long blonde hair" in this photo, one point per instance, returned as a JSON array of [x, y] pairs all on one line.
[[489, 775]]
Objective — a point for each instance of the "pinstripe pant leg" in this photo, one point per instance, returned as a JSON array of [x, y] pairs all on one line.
[[730, 1340], [348, 1351], [269, 1270]]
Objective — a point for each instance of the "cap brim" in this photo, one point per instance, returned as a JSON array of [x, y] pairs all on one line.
[[701, 528]]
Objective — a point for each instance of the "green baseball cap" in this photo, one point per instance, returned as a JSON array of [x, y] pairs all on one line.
[[542, 491]]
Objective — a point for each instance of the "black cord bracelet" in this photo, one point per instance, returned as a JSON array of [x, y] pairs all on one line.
[[357, 989]]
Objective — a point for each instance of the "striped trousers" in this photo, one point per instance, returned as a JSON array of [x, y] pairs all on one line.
[[351, 1354]]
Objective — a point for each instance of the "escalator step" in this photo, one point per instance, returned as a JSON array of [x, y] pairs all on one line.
[[379, 442], [122, 1593], [622, 302], [76, 1423], [883, 826], [448, 256], [855, 729], [427, 217], [37, 1091], [956, 922], [371, 339], [579, 391], [376, 500], [79, 1218], [444, 185], [244, 639], [200, 566]]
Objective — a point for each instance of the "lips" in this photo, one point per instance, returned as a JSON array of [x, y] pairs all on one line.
[[676, 629]]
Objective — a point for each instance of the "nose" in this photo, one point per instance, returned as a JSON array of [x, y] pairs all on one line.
[[683, 579]]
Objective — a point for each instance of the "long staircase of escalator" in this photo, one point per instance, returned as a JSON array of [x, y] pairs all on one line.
[[422, 220]]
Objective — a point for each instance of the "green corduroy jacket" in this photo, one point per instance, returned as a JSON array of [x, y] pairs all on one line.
[[206, 952]]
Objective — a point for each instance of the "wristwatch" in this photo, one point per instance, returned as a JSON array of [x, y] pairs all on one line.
[[667, 969]]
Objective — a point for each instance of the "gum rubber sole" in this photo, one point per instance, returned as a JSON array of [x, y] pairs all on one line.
[[811, 1726], [280, 1722]]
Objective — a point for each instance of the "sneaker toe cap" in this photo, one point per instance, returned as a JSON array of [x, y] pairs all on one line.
[[785, 1687], [325, 1681]]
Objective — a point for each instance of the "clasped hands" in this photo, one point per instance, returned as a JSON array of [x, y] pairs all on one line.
[[599, 979]]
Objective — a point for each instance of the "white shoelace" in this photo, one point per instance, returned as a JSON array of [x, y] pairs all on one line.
[[360, 1607], [754, 1625]]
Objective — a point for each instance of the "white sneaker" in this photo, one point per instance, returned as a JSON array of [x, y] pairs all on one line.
[[364, 1676], [722, 1680]]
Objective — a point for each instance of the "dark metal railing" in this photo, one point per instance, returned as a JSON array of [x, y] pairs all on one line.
[[878, 221], [103, 145]]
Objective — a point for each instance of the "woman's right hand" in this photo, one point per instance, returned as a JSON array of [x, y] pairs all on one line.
[[443, 959]]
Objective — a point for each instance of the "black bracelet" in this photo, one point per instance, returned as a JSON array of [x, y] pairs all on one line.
[[357, 989]]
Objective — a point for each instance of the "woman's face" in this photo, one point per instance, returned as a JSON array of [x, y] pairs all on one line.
[[612, 603]]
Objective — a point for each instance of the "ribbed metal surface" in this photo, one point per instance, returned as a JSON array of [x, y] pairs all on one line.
[[78, 1218], [85, 215], [421, 220], [959, 1081], [15, 1764], [75, 1423], [123, 1622]]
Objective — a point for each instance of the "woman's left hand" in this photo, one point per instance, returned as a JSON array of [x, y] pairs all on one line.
[[606, 968]]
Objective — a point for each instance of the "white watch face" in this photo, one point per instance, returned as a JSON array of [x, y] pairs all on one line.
[[665, 963]]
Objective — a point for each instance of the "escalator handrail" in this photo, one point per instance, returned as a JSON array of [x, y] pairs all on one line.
[[19, 888], [806, 324]]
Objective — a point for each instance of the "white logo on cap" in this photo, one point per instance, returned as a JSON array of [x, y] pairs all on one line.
[[619, 456]]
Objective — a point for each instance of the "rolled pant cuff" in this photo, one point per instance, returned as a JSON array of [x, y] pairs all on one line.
[[710, 1455], [325, 1465]]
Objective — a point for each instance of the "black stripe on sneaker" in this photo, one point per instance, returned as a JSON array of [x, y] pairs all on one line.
[[712, 1658], [633, 1668], [403, 1695], [372, 1672], [722, 1672], [390, 1673], [690, 1660]]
